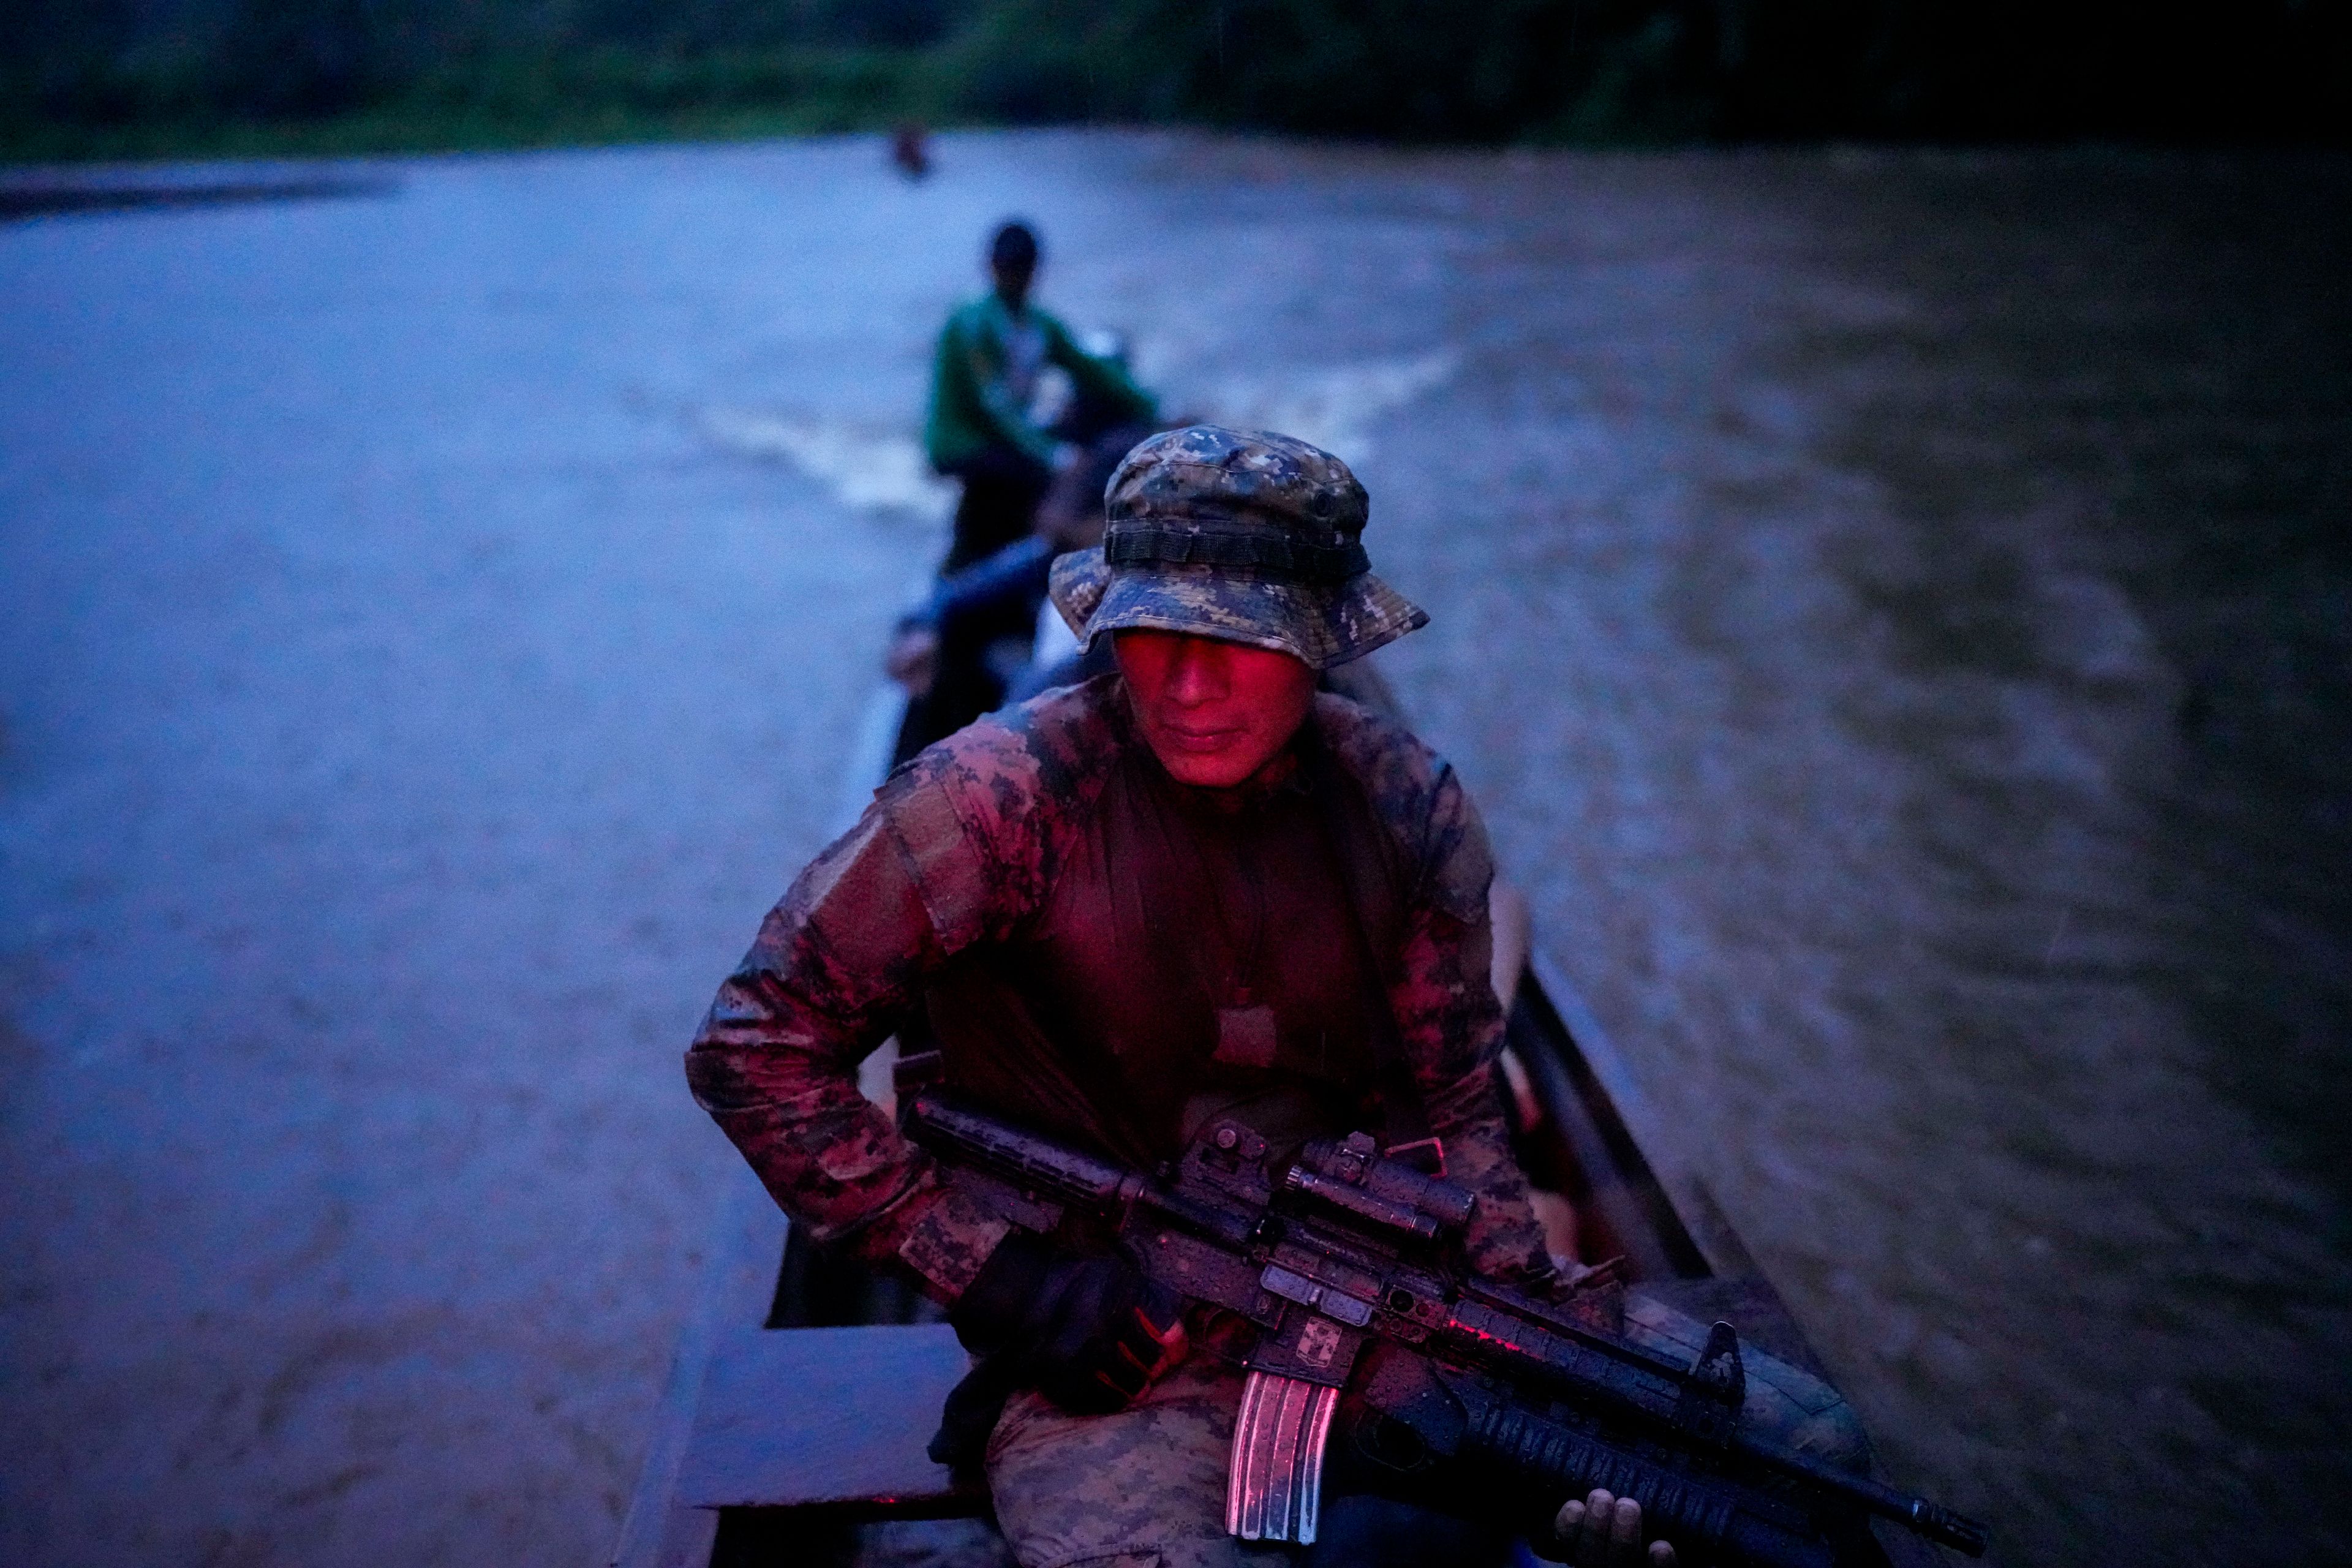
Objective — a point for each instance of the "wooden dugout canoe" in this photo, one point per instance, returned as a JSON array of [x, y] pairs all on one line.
[[802, 1391]]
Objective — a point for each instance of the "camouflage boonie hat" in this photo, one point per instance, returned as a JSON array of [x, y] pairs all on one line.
[[1242, 536]]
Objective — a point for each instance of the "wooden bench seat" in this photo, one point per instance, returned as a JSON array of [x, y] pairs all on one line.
[[833, 1418], [806, 1421]]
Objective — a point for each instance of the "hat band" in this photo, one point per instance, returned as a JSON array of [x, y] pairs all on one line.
[[1276, 554]]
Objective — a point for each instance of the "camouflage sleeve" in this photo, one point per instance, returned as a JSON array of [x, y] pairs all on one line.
[[835, 966], [1451, 1029]]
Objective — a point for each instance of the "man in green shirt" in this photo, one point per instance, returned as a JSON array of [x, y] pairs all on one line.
[[980, 429]]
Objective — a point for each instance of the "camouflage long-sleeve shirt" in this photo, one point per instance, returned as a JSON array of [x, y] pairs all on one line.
[[1114, 957]]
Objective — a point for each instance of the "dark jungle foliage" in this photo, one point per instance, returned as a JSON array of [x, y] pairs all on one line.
[[79, 77]]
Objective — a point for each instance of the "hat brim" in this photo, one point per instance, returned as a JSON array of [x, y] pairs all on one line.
[[1322, 624]]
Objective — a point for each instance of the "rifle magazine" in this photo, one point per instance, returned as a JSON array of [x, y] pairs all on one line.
[[1274, 1482]]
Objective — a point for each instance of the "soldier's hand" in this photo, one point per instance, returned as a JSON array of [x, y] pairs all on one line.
[[1605, 1531], [1109, 1333], [1090, 1333]]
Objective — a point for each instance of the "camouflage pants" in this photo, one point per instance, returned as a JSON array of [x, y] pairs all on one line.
[[1143, 1488], [1146, 1488]]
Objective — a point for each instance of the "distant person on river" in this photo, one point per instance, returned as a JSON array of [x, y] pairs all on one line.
[[982, 430]]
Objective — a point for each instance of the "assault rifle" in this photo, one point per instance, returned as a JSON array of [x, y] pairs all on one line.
[[1445, 1389]]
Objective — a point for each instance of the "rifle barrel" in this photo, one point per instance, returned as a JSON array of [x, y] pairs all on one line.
[[1931, 1519]]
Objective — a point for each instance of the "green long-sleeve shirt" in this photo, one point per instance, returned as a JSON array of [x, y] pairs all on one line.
[[985, 369]]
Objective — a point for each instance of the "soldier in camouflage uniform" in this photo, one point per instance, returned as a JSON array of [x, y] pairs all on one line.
[[1189, 889]]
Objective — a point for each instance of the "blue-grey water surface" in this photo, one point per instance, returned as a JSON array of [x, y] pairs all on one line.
[[1895, 610]]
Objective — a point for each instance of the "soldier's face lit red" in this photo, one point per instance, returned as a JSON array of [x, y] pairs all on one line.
[[1214, 713]]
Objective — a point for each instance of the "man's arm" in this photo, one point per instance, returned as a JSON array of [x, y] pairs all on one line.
[[835, 967], [1101, 380], [1015, 575], [1451, 1029]]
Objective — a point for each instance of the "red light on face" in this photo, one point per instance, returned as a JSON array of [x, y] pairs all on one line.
[[1214, 713]]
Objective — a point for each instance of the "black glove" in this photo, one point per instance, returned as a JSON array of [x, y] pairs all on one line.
[[1088, 1332]]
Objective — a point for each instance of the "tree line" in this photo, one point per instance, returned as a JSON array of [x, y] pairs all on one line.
[[84, 76]]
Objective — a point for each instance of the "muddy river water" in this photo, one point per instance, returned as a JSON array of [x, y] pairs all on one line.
[[1895, 609]]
